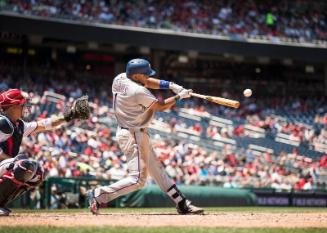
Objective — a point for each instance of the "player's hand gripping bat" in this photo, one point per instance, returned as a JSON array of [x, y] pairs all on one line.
[[218, 100]]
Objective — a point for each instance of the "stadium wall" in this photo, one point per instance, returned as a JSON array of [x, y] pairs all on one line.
[[210, 196], [205, 196], [156, 39], [152, 196]]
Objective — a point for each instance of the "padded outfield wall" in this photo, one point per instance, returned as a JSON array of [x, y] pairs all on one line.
[[68, 190]]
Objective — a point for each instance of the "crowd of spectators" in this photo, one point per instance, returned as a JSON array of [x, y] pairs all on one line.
[[230, 168], [309, 130], [89, 149], [301, 19]]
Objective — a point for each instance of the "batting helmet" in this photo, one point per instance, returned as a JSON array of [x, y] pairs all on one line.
[[139, 66], [24, 170], [12, 97]]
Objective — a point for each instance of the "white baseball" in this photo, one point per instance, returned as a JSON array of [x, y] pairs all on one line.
[[247, 92]]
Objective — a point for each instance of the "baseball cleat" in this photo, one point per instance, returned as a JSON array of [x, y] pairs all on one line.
[[93, 204], [186, 207], [4, 211], [9, 210]]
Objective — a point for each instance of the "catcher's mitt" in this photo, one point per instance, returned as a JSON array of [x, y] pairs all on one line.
[[79, 110]]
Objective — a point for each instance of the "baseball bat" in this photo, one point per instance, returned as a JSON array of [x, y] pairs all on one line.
[[218, 100]]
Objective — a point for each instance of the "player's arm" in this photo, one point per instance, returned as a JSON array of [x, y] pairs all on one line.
[[46, 124], [79, 110], [153, 83], [6, 130], [3, 155], [169, 102]]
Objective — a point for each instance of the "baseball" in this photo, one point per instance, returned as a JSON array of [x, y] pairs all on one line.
[[247, 92]]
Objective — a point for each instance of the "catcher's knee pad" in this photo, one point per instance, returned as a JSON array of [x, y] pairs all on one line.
[[39, 176], [24, 170], [23, 175], [21, 156]]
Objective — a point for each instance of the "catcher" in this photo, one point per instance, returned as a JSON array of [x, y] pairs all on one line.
[[18, 173]]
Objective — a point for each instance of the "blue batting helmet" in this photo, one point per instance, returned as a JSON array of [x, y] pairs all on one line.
[[139, 66]]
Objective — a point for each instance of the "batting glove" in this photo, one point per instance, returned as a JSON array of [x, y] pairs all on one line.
[[175, 87], [185, 93]]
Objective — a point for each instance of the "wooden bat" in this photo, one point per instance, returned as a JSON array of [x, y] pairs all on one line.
[[218, 100]]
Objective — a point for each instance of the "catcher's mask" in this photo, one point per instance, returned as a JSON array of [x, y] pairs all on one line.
[[13, 97]]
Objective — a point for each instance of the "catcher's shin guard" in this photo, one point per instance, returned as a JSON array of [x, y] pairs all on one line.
[[9, 191], [18, 179]]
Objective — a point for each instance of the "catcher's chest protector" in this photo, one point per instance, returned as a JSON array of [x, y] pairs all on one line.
[[12, 144]]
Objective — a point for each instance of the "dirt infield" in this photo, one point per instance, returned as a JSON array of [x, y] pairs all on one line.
[[231, 219]]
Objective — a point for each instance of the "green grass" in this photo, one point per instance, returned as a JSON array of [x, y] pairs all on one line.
[[155, 230]]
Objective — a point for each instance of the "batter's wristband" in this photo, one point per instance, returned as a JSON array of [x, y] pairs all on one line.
[[164, 84]]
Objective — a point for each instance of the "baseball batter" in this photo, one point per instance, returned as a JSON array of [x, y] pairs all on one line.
[[134, 106]]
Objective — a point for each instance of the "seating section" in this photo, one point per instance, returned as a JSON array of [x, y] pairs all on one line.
[[278, 133], [285, 21]]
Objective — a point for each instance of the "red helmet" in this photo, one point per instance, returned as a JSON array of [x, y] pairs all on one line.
[[12, 97]]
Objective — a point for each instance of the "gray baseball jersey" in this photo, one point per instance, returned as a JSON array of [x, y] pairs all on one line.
[[132, 102], [131, 106]]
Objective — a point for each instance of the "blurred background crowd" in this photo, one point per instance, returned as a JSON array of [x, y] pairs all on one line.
[[303, 20], [89, 149]]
